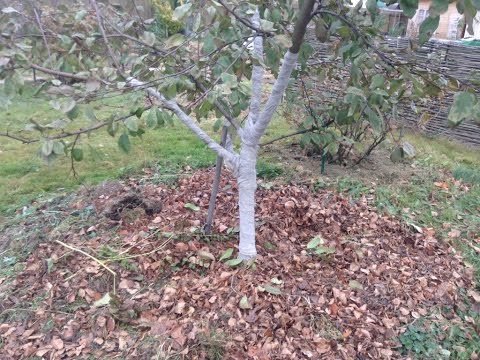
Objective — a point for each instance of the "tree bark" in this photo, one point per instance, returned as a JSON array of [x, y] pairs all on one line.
[[247, 185]]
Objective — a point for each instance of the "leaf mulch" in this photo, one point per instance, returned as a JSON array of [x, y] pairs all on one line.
[[172, 301]]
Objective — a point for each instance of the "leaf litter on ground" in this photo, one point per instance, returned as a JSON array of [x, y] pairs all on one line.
[[352, 302]]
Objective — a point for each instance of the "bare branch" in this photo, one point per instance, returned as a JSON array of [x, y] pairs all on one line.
[[187, 120], [58, 73], [17, 138], [245, 22], [39, 22], [299, 132], [102, 30]]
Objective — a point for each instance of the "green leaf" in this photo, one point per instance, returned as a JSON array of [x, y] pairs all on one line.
[[112, 128], [427, 28], [161, 115], [152, 120], [325, 250], [372, 6], [227, 254], [216, 126], [77, 154], [317, 240], [180, 12], [233, 262], [409, 7], [378, 81], [273, 290], [47, 148], [74, 113], [354, 284], [244, 304], [462, 107], [58, 148], [132, 124], [191, 206], [90, 114], [124, 143], [148, 38], [174, 41]]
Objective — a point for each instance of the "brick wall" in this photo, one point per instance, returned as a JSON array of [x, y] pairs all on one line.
[[447, 29]]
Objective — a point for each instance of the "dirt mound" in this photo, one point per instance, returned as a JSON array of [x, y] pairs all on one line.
[[348, 294]]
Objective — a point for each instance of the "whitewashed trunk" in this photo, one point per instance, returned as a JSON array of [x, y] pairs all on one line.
[[247, 184]]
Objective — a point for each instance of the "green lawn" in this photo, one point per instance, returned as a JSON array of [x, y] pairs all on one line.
[[24, 176]]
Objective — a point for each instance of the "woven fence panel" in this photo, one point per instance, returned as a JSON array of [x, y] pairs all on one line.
[[450, 58]]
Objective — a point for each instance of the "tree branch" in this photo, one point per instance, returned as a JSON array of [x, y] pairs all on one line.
[[257, 75], [58, 73], [219, 106], [306, 14], [39, 22], [299, 132], [187, 120], [68, 134], [289, 62], [102, 31], [245, 22]]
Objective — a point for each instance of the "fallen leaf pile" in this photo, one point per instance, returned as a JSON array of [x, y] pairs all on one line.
[[334, 279]]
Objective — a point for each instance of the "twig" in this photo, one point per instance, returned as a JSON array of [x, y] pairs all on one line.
[[287, 136], [58, 73], [245, 21], [69, 134], [39, 22], [104, 35], [99, 262], [72, 160], [117, 258]]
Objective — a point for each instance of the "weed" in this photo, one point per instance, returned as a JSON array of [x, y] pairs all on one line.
[[467, 174], [353, 187], [212, 344], [429, 339], [268, 171]]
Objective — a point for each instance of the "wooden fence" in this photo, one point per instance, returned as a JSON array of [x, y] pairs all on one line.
[[450, 58]]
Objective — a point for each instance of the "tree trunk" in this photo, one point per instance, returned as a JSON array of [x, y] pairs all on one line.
[[247, 184]]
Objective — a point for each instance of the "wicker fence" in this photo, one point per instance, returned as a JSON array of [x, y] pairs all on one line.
[[452, 58]]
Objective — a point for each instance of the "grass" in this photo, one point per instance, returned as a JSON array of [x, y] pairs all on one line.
[[24, 176]]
